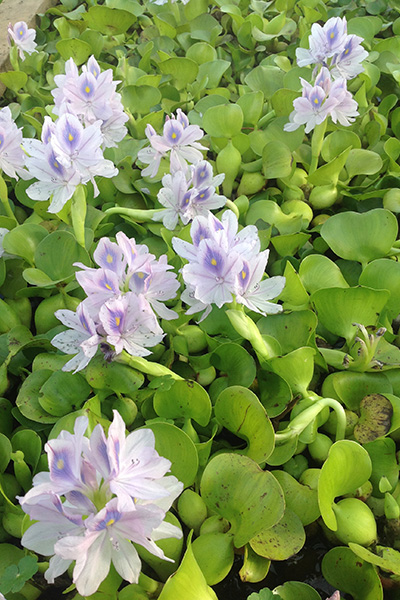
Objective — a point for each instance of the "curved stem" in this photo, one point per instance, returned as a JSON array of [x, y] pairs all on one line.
[[302, 420], [137, 214], [316, 145], [145, 366]]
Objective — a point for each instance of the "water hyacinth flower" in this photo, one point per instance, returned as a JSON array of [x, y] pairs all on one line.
[[68, 155], [12, 157], [320, 101], [186, 196], [91, 96], [331, 46], [124, 296], [224, 264], [179, 139], [23, 38], [100, 495]]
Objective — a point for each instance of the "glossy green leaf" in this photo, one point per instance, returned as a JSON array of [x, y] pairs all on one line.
[[30, 443], [335, 143], [363, 162], [347, 572], [384, 464], [350, 387], [183, 70], [296, 368], [299, 498], [28, 397], [213, 70], [277, 160], [296, 590], [339, 308], [347, 467], [23, 240], [267, 79], [14, 80], [63, 393], [109, 21], [236, 362], [225, 120], [361, 236], [386, 558], [318, 271], [185, 399], [103, 375], [281, 541], [74, 48], [140, 98], [384, 274], [214, 553], [187, 582], [255, 568], [55, 264], [274, 393], [5, 452], [329, 173], [376, 413], [239, 410], [235, 488], [175, 445]]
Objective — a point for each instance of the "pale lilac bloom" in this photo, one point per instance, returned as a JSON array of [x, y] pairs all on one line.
[[224, 264], [108, 540], [12, 157], [347, 63], [54, 181], [255, 293], [311, 109], [131, 480], [81, 339], [345, 110], [53, 521], [324, 42], [101, 494], [156, 285], [130, 324], [136, 255], [175, 196], [71, 73], [179, 138], [23, 38]]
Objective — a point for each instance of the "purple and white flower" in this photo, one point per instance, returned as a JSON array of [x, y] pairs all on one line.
[[179, 139], [12, 156], [224, 264], [100, 495], [23, 38]]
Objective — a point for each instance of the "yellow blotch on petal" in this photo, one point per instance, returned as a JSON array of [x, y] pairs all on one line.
[[332, 35], [87, 89], [140, 274], [60, 464], [70, 137], [56, 165], [117, 321], [109, 258], [316, 101], [108, 286], [213, 262], [110, 522], [244, 274], [173, 136]]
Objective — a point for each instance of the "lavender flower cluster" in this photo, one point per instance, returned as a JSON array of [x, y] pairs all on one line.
[[124, 295], [223, 264], [340, 55], [90, 118], [100, 495], [23, 38]]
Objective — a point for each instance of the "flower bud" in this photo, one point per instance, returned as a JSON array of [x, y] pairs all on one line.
[[192, 509], [251, 183]]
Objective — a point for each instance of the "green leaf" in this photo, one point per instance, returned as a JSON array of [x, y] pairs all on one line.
[[74, 48], [282, 540], [14, 80], [299, 498], [239, 410], [185, 399], [335, 143], [214, 554], [251, 105], [375, 420], [23, 240], [213, 70], [329, 173], [318, 271], [30, 443], [350, 387], [140, 98], [109, 21], [63, 393], [293, 330], [386, 558], [349, 573], [5, 452], [236, 362], [183, 70], [363, 162], [382, 453], [267, 79], [28, 398], [235, 488], [59, 265], [296, 590], [296, 368], [187, 582], [175, 445], [277, 160], [384, 274], [347, 467], [225, 120], [339, 308]]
